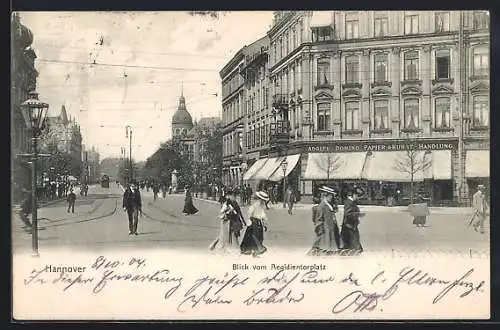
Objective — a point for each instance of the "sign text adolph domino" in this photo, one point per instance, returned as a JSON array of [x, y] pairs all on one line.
[[390, 146]]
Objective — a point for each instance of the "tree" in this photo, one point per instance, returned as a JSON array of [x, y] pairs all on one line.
[[412, 162], [211, 155], [329, 163]]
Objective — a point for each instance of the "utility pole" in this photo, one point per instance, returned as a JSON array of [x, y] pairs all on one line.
[[128, 133], [462, 76]]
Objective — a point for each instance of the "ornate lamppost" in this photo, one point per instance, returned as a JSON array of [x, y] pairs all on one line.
[[34, 113], [284, 165]]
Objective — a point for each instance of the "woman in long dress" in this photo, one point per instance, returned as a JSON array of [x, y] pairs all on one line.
[[188, 204], [229, 231], [252, 242], [419, 220]]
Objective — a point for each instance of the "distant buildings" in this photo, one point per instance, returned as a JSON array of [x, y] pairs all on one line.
[[91, 165], [361, 87]]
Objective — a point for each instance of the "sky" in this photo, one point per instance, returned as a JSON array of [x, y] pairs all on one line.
[[142, 60]]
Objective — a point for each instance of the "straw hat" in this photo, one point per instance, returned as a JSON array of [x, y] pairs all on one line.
[[262, 195], [327, 190]]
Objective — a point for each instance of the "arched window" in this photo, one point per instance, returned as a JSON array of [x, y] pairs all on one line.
[[411, 110], [442, 113]]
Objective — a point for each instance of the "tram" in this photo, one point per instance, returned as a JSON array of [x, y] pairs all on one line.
[[105, 181]]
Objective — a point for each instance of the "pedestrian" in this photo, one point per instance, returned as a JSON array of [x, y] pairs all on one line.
[[419, 220], [290, 199], [189, 208], [253, 239], [326, 228], [232, 222], [132, 204], [319, 229], [155, 191], [71, 201], [350, 233], [479, 205]]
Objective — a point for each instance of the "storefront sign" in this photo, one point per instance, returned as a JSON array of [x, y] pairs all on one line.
[[387, 146]]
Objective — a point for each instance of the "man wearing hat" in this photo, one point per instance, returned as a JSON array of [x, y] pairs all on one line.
[[236, 219], [479, 205], [132, 204], [326, 229], [350, 232]]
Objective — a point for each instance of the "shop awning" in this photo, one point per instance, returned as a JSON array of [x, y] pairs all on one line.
[[441, 165], [477, 164], [324, 166], [254, 168], [394, 166], [292, 161], [321, 19], [268, 169]]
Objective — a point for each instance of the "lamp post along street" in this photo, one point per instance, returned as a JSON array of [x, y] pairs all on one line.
[[34, 113], [284, 165], [128, 133]]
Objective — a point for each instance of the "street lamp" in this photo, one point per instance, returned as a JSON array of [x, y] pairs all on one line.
[[284, 165], [34, 113], [128, 133]]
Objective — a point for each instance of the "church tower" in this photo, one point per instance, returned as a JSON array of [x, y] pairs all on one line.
[[182, 122]]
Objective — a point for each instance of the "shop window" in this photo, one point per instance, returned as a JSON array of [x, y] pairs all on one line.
[[381, 115], [351, 26], [324, 116], [411, 24], [481, 62], [443, 64], [411, 65], [380, 26], [351, 69], [411, 108], [380, 67], [352, 115], [442, 115], [323, 71], [443, 22], [481, 111]]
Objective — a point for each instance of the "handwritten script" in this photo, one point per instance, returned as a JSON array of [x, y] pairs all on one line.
[[340, 291]]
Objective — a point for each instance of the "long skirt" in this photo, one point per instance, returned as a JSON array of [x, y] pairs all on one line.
[[253, 239], [419, 220], [327, 240], [189, 207], [350, 240], [226, 238]]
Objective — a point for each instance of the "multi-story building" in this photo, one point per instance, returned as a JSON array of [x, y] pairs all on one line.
[[92, 165], [23, 80], [233, 110], [354, 92]]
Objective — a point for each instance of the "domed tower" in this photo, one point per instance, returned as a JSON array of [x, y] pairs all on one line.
[[182, 121]]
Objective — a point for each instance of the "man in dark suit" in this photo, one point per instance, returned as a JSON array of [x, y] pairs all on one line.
[[350, 232], [326, 222], [236, 219], [132, 204]]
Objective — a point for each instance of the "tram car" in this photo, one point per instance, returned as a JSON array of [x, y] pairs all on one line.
[[105, 181]]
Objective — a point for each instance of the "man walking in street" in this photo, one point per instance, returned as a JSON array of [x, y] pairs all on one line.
[[479, 205], [132, 204], [290, 199], [71, 201]]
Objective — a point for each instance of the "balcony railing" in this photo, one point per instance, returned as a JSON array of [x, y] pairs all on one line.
[[279, 132], [281, 100]]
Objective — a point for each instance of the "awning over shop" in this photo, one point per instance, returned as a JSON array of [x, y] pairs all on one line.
[[321, 18], [254, 168], [268, 169], [477, 164], [323, 166], [292, 161], [441, 165], [394, 166]]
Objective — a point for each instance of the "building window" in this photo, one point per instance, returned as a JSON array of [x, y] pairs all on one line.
[[280, 49], [286, 45], [351, 69], [301, 32], [324, 115], [411, 65], [442, 116], [380, 67], [294, 39], [481, 62], [321, 34], [443, 22], [411, 24], [380, 28], [323, 71], [481, 20], [442, 64], [481, 111], [411, 114], [351, 26], [275, 52], [381, 115], [351, 115]]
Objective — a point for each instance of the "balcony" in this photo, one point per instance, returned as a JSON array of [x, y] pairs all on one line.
[[281, 101], [279, 132]]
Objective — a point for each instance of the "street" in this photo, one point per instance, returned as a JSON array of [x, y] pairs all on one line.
[[100, 223]]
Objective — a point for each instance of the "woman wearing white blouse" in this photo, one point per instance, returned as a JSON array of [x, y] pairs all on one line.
[[254, 235]]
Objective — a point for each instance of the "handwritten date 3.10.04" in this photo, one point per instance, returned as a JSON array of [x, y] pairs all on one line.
[[365, 292]]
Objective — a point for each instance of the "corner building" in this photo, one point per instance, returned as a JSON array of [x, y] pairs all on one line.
[[352, 92]]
